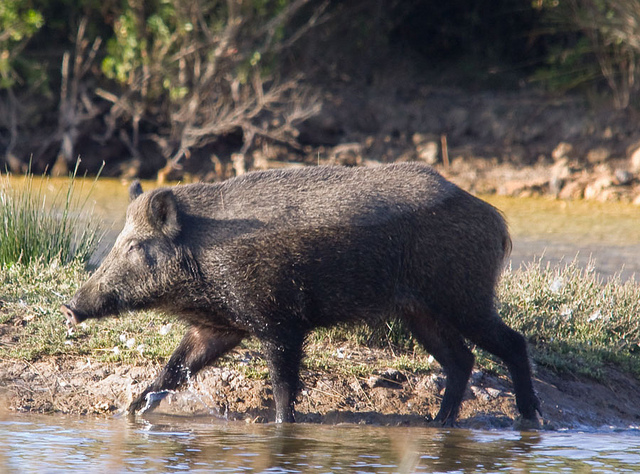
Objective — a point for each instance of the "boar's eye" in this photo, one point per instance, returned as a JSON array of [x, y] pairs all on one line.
[[134, 247], [141, 252]]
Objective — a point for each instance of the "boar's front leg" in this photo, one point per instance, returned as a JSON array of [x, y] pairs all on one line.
[[199, 347], [284, 355]]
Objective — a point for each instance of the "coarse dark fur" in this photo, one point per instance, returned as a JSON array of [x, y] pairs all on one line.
[[275, 254]]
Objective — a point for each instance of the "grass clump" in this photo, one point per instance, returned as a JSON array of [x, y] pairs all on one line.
[[36, 225], [575, 321]]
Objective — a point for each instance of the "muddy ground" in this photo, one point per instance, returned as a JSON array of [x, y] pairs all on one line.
[[80, 385]]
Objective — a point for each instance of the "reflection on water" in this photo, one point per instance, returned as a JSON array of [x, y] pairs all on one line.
[[31, 443]]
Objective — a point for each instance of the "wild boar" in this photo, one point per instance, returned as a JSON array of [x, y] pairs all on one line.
[[275, 254]]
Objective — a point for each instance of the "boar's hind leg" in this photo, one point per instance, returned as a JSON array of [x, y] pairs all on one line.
[[494, 336], [447, 346], [198, 348]]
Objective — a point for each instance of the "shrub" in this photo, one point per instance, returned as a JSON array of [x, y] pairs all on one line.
[[605, 45]]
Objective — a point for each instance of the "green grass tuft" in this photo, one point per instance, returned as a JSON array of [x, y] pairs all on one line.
[[575, 321], [34, 226]]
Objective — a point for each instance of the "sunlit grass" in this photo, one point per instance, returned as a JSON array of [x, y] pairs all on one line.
[[575, 321], [30, 297], [34, 226]]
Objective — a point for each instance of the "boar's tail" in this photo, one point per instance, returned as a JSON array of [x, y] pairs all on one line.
[[507, 245]]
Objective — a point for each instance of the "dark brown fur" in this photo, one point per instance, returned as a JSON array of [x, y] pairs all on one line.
[[275, 254]]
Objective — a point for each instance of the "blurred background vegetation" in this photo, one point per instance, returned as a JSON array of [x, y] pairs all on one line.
[[153, 83]]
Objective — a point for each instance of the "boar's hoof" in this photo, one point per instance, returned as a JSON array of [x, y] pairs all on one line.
[[71, 316], [526, 424], [146, 401]]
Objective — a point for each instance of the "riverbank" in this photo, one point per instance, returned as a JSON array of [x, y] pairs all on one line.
[[512, 142], [388, 396], [517, 143]]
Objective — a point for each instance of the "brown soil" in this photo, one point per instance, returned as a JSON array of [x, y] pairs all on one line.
[[72, 385]]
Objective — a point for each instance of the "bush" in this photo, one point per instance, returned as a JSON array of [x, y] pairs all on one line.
[[596, 41]]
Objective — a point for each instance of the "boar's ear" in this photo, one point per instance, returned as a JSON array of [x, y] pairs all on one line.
[[163, 213], [135, 190]]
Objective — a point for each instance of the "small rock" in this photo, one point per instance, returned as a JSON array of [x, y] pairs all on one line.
[[572, 190], [598, 155], [419, 138], [226, 376], [563, 150], [623, 177], [493, 392], [428, 152], [480, 393], [434, 383], [634, 160], [595, 189]]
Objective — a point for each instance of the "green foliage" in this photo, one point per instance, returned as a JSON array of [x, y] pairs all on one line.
[[388, 334], [18, 23], [594, 42], [156, 48], [36, 226], [138, 50]]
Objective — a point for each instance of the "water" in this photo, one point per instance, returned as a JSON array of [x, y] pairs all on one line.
[[43, 444]]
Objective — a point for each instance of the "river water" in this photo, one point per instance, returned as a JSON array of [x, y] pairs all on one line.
[[41, 444], [555, 230]]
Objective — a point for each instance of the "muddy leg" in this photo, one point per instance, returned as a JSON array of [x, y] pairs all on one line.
[[493, 335], [284, 359], [198, 348], [447, 346]]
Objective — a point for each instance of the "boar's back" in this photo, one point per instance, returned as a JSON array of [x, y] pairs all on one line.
[[318, 196]]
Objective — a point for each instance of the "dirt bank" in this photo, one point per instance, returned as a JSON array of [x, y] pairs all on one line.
[[71, 385]]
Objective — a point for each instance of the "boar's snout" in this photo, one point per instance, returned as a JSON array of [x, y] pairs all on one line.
[[72, 316]]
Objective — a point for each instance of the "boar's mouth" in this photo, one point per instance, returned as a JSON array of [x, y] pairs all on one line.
[[73, 316]]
